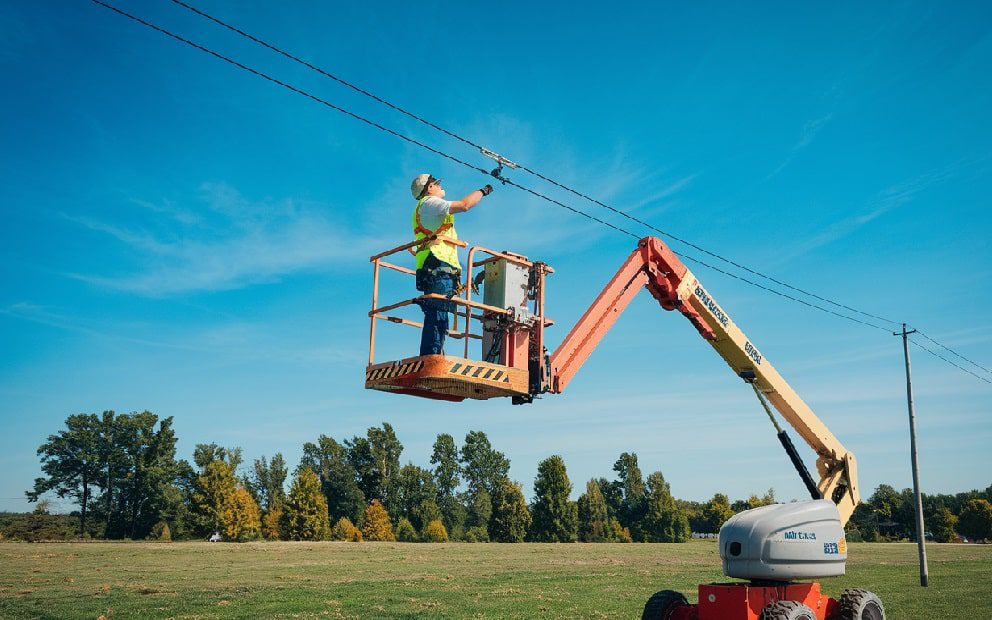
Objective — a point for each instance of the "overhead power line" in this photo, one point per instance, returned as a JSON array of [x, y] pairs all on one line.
[[457, 160], [938, 355], [955, 353], [509, 182], [523, 167]]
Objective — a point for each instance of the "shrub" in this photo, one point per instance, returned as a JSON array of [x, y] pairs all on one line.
[[33, 527], [435, 532], [161, 531], [617, 533], [477, 534], [344, 529], [377, 525], [405, 531]]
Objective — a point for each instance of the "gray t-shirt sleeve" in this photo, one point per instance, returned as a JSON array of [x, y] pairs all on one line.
[[434, 209]]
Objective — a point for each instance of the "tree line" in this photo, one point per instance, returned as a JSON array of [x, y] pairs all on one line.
[[891, 515], [121, 471]]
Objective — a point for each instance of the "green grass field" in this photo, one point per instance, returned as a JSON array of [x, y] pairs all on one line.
[[392, 580]]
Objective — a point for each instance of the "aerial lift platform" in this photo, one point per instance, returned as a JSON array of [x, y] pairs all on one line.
[[511, 314], [768, 546]]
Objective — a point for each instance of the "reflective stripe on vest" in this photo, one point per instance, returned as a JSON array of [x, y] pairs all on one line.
[[444, 252]]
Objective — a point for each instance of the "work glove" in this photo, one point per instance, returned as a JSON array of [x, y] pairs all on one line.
[[488, 189]]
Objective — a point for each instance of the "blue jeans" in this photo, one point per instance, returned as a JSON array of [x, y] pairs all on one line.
[[434, 277]]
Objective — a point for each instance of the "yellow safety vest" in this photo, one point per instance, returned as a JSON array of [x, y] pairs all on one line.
[[445, 252]]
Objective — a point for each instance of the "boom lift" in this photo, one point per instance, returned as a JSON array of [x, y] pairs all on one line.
[[768, 546]]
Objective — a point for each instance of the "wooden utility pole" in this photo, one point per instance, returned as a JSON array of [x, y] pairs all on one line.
[[920, 534]]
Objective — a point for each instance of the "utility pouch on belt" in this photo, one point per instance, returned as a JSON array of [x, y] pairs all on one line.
[[426, 279]]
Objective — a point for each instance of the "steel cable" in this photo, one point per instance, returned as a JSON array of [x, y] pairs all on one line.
[[519, 186], [535, 173]]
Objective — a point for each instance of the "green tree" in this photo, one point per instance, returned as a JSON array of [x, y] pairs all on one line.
[[664, 520], [975, 520], [206, 453], [269, 480], [593, 514], [865, 521], [482, 466], [480, 511], [765, 500], [455, 515], [693, 512], [386, 450], [405, 531], [447, 478], [146, 488], [377, 525], [555, 517], [632, 486], [887, 505], [612, 493], [376, 459], [511, 518], [415, 487], [716, 512], [330, 460], [426, 512], [304, 515], [71, 463], [447, 471], [942, 523]]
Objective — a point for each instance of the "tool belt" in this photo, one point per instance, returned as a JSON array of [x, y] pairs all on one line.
[[433, 270]]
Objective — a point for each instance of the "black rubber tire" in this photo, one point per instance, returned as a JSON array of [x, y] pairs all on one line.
[[859, 604], [661, 604], [787, 610]]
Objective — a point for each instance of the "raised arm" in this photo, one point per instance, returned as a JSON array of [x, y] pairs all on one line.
[[655, 267]]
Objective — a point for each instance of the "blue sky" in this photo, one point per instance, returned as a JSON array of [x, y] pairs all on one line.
[[183, 237]]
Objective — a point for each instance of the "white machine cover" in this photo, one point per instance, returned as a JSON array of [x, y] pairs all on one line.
[[782, 542]]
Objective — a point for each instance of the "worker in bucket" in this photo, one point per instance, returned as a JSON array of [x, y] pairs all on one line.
[[438, 269]]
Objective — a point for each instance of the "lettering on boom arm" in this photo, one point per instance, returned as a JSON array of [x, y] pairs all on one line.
[[721, 316], [710, 305], [752, 352]]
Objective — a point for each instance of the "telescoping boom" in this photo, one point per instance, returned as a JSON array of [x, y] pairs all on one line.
[[655, 267]]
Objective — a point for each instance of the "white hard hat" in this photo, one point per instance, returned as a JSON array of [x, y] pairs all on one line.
[[420, 183]]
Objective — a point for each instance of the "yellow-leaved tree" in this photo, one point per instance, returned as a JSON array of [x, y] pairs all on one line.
[[215, 486], [240, 517], [231, 510], [377, 524]]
